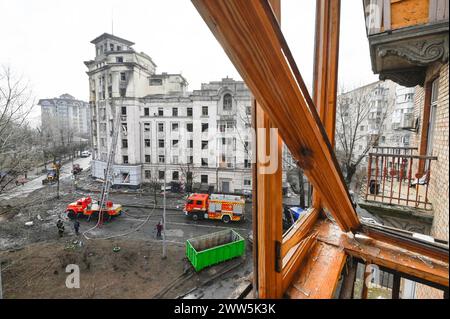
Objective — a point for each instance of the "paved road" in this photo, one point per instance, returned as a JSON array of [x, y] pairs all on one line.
[[66, 172], [179, 228]]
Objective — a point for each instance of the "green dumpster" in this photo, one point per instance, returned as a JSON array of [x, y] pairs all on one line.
[[211, 249]]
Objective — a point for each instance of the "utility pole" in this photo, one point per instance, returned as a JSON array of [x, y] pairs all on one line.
[[1, 288], [164, 252]]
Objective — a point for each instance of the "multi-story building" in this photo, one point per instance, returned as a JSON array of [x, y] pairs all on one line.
[[67, 113], [381, 110], [166, 131]]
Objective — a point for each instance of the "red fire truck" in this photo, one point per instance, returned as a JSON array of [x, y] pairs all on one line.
[[84, 207], [215, 206]]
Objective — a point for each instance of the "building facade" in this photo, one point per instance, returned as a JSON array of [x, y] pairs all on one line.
[[382, 110], [166, 132], [68, 113]]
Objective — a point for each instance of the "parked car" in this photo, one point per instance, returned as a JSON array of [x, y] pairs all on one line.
[[85, 154]]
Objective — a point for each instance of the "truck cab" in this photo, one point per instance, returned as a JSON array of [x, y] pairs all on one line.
[[197, 206]]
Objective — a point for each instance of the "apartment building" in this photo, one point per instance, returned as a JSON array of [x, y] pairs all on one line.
[[166, 132], [381, 110], [66, 112]]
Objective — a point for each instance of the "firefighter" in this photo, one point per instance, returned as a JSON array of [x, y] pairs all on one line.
[[159, 228], [60, 226], [76, 226]]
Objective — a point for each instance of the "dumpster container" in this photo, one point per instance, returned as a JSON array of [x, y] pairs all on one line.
[[211, 249]]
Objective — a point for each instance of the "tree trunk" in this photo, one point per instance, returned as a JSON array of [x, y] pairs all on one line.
[[350, 171]]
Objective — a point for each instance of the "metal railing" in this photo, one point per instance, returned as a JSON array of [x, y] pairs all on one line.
[[397, 177]]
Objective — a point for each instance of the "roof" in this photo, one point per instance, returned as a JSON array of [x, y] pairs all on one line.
[[198, 196], [110, 36]]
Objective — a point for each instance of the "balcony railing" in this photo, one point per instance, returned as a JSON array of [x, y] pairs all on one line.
[[396, 176]]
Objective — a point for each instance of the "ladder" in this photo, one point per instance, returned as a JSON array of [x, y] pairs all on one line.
[[109, 178]]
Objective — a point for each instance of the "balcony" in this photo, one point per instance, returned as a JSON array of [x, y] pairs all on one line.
[[398, 177], [405, 37]]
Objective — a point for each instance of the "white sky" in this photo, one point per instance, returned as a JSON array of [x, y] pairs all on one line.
[[47, 41]]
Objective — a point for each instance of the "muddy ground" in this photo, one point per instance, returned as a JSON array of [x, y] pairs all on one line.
[[33, 258]]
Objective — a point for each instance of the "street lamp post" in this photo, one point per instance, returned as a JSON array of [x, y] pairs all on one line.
[[164, 252]]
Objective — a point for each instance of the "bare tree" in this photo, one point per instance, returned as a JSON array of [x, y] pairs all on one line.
[[16, 145], [360, 122], [188, 175]]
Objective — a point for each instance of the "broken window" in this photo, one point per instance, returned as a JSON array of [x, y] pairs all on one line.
[[175, 175], [124, 110], [125, 159], [160, 127], [205, 127], [147, 142], [204, 162], [174, 143], [175, 127], [125, 177], [146, 127], [189, 127], [204, 179], [146, 111], [124, 128], [204, 145]]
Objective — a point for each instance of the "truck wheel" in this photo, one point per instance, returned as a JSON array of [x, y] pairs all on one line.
[[195, 217], [71, 214], [226, 219]]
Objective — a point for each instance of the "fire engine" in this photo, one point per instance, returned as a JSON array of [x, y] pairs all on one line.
[[84, 207], [215, 206]]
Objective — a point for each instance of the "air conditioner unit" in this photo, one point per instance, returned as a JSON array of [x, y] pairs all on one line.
[[407, 121]]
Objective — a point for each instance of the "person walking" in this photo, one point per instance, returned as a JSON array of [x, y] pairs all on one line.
[[76, 226], [159, 228], [60, 226]]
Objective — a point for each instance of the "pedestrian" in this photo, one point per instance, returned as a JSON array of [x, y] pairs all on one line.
[[60, 226], [159, 228], [76, 226]]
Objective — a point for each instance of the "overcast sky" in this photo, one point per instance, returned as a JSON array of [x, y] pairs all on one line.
[[47, 41]]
